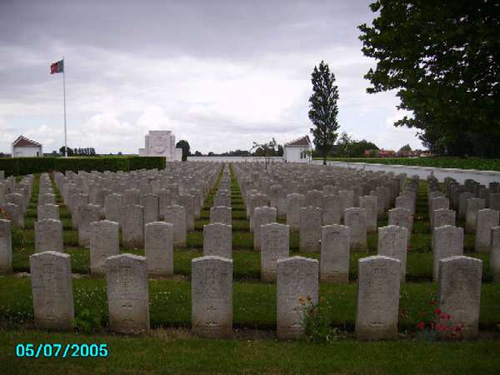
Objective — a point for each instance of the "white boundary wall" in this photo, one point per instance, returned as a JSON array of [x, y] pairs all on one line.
[[236, 159]]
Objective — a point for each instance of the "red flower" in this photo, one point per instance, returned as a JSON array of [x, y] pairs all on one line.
[[421, 326], [437, 311]]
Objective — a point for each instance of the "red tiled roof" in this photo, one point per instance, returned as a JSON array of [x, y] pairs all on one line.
[[304, 141], [22, 141]]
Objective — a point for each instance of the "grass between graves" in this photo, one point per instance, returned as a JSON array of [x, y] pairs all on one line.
[[177, 352], [254, 304], [246, 261], [172, 349]]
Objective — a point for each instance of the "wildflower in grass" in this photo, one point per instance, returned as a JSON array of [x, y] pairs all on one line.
[[316, 321], [438, 326]]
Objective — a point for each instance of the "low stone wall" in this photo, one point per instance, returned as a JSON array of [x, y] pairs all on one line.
[[483, 177], [235, 159]]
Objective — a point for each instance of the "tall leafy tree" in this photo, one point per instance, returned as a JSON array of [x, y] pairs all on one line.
[[186, 149], [443, 58], [323, 109]]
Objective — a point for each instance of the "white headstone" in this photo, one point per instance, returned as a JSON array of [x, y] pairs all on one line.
[[212, 296], [128, 297]]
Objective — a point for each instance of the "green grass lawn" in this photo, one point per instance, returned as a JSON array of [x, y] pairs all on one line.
[[171, 348], [177, 352]]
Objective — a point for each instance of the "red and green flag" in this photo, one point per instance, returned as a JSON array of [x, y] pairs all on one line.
[[57, 67]]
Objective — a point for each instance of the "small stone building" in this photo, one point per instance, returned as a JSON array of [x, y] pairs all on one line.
[[24, 147], [298, 151]]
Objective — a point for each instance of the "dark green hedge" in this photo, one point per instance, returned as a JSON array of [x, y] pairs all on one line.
[[22, 166]]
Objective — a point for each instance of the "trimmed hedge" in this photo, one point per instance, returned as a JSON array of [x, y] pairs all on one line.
[[23, 166], [439, 162]]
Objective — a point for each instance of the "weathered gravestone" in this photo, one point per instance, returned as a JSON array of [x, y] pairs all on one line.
[[314, 198], [462, 205], [331, 210], [150, 204], [131, 197], [346, 200], [447, 241], [275, 244], [47, 211], [297, 287], [212, 296], [133, 226], [473, 206], [459, 293], [294, 203], [217, 240], [46, 198], [52, 290], [113, 206], [262, 216], [310, 229], [443, 217], [159, 248], [393, 243], [355, 219], [187, 201], [438, 203], [176, 215], [495, 254], [17, 199], [486, 219], [15, 214], [222, 200], [335, 249], [369, 203], [127, 290], [402, 218], [5, 247], [77, 200], [378, 298], [48, 236], [220, 214], [87, 214], [165, 200], [104, 242]]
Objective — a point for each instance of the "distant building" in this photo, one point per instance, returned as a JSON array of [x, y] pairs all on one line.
[[24, 147], [298, 151], [401, 154], [380, 153], [161, 143]]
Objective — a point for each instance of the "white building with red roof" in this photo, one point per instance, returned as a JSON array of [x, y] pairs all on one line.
[[298, 151], [23, 147]]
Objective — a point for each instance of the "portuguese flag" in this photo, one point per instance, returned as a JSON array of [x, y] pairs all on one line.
[[57, 67]]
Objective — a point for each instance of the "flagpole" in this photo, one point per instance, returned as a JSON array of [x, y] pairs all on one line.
[[64, 94]]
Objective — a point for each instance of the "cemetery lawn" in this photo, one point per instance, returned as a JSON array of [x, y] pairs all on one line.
[[170, 347], [177, 352]]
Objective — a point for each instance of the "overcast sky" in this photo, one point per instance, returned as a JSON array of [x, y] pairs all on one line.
[[220, 74]]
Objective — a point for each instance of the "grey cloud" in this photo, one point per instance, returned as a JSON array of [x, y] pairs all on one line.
[[236, 29]]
